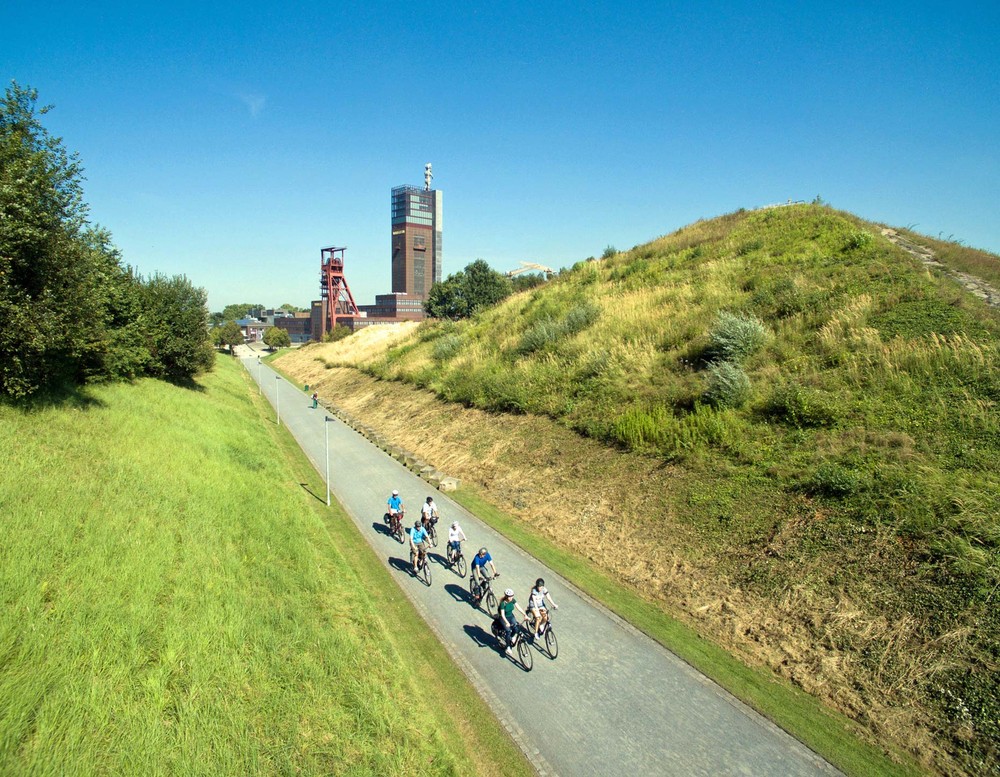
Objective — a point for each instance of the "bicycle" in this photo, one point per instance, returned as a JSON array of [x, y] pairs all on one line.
[[483, 592], [518, 641], [457, 561], [423, 568], [546, 632], [396, 526]]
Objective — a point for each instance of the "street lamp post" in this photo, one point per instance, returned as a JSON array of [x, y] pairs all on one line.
[[326, 434], [260, 389], [277, 397]]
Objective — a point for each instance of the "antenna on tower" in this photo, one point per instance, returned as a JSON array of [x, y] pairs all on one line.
[[427, 177]]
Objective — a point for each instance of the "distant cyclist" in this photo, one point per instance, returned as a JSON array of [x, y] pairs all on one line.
[[455, 539], [505, 613], [536, 605], [418, 544]]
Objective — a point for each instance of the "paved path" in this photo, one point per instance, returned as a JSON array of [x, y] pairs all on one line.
[[614, 702]]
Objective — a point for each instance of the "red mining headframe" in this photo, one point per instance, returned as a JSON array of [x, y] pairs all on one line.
[[333, 285]]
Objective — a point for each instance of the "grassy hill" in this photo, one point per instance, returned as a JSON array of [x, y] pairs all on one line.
[[789, 409], [176, 601]]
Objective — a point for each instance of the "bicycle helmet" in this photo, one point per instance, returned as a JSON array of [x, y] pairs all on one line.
[[417, 524], [454, 524], [430, 499], [539, 583], [509, 592], [395, 492]]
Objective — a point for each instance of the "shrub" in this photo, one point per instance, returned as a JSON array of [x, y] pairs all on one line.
[[859, 238], [728, 385], [548, 331], [799, 407], [446, 348], [737, 336], [834, 480]]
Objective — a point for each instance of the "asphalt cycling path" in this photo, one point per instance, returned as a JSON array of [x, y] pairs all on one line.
[[613, 702]]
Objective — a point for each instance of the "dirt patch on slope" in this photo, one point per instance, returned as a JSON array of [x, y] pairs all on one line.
[[596, 501]]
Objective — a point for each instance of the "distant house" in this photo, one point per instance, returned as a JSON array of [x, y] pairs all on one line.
[[253, 329]]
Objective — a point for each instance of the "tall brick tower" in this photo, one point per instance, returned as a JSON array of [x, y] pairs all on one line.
[[416, 238]]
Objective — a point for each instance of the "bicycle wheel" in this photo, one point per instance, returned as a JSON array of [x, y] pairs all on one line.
[[474, 590], [491, 601], [551, 643], [461, 566], [524, 654], [426, 570]]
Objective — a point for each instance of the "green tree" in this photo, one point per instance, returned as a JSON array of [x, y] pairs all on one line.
[[176, 328], [276, 337], [463, 293], [44, 267], [240, 310], [228, 335]]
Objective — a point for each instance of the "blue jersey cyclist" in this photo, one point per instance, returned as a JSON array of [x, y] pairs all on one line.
[[479, 562], [418, 544], [395, 505]]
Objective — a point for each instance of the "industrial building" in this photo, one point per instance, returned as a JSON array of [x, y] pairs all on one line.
[[416, 251]]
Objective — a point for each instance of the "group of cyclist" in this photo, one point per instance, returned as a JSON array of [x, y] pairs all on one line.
[[420, 546]]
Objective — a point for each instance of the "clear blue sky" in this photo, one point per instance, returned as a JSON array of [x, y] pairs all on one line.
[[229, 142]]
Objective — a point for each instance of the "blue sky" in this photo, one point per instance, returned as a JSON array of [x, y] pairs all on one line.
[[229, 142]]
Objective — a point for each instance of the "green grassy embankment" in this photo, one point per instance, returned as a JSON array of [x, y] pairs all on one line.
[[824, 409], [176, 600]]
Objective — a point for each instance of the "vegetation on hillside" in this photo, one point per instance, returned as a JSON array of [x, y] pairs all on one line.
[[830, 407], [72, 312], [175, 601]]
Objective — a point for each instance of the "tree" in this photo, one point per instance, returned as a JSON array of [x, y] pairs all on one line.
[[240, 310], [276, 337], [292, 309], [228, 335], [176, 328], [463, 293]]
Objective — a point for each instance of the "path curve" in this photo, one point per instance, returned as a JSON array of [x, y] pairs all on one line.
[[614, 702]]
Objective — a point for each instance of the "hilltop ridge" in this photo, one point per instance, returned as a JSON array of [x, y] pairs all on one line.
[[811, 409]]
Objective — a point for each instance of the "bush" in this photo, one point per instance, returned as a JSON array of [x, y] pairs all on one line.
[[834, 481], [737, 336], [446, 348], [549, 331], [728, 385], [799, 407]]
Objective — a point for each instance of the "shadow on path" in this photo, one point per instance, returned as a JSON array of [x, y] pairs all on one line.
[[481, 637], [458, 593], [381, 528]]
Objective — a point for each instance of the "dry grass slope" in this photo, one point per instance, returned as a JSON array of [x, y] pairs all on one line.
[[825, 505]]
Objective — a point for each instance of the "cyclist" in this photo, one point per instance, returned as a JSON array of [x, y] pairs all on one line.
[[479, 562], [455, 539], [395, 504], [505, 614], [418, 544], [429, 516], [429, 511], [536, 605]]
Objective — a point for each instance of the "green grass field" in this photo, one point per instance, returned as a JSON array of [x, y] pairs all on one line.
[[176, 601]]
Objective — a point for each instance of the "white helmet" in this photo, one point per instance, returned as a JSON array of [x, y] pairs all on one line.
[[395, 492], [509, 592], [454, 524]]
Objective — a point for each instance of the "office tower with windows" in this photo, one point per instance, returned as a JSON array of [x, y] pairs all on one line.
[[416, 238]]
